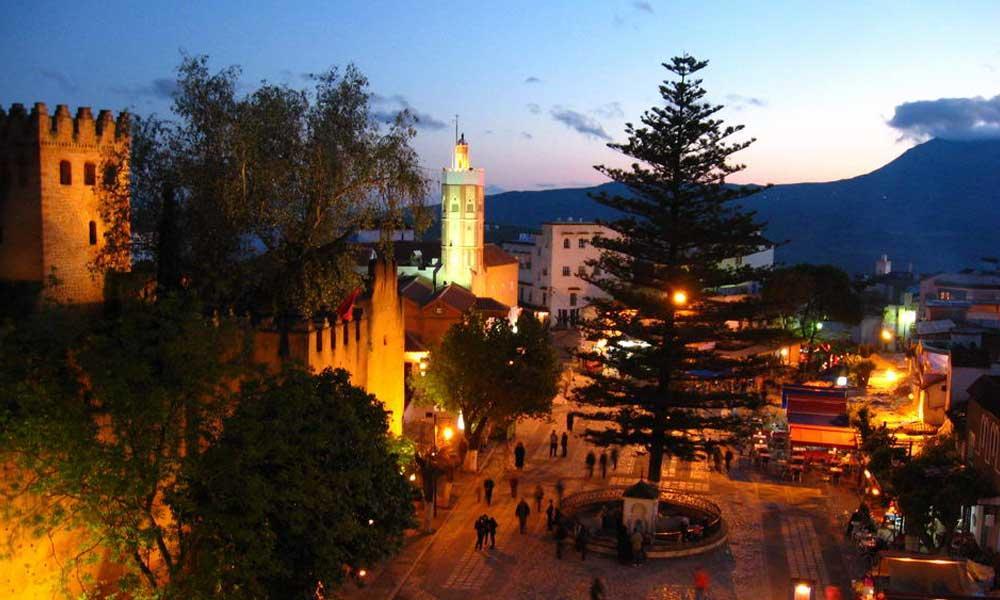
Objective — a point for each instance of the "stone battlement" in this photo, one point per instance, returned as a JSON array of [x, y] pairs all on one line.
[[18, 125]]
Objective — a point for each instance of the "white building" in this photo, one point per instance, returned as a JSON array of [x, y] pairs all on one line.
[[550, 264]]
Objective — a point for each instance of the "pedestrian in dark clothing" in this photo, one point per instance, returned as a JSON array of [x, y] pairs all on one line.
[[729, 458], [604, 464], [560, 536], [491, 530], [550, 513], [522, 511], [553, 443], [488, 490], [480, 532], [717, 458], [614, 458], [539, 495], [569, 420], [591, 459], [513, 486], [624, 545], [564, 442], [560, 488], [582, 539], [519, 456], [597, 590]]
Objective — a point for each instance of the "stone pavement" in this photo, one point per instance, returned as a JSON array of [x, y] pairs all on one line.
[[777, 531]]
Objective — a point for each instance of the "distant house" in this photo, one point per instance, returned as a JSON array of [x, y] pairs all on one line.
[[983, 452]]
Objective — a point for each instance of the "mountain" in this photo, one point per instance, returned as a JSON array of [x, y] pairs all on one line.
[[936, 206]]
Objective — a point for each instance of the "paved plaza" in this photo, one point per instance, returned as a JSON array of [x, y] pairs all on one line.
[[777, 531]]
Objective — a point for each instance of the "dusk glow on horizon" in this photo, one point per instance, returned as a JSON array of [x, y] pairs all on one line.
[[541, 88]]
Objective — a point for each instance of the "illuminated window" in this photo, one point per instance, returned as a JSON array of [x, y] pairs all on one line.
[[572, 299], [944, 295], [565, 271], [89, 174], [65, 173], [93, 233], [566, 243]]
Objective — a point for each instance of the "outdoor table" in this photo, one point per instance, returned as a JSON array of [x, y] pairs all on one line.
[[835, 473]]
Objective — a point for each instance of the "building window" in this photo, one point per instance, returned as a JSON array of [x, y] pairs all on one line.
[[89, 174], [454, 207], [582, 243], [539, 251], [572, 299], [581, 270], [527, 265], [566, 243], [65, 173], [565, 271], [93, 233], [545, 272], [543, 298]]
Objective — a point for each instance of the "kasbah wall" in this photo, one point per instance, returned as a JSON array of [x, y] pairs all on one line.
[[50, 225]]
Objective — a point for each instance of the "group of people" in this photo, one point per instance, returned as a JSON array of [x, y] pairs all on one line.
[[555, 442], [486, 531], [592, 459]]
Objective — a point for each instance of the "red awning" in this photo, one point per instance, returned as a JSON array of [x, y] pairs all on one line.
[[828, 437]]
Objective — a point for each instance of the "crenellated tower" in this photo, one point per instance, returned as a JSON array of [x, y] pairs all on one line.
[[462, 222], [50, 170]]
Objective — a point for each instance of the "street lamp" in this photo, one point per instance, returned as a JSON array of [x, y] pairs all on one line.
[[886, 335], [447, 433], [802, 589], [679, 298]]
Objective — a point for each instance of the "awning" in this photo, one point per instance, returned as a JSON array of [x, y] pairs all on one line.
[[828, 437]]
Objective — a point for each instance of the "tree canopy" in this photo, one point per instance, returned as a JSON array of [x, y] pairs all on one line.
[[492, 372], [805, 295], [665, 376]]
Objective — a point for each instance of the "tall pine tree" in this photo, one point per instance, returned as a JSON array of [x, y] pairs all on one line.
[[672, 379]]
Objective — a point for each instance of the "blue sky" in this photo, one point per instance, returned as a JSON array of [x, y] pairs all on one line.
[[816, 83]]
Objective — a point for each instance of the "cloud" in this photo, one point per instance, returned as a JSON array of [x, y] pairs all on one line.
[[534, 108], [580, 122], [62, 81], [643, 6], [161, 87], [390, 106], [488, 132], [739, 102], [532, 79], [527, 135], [611, 110], [948, 118]]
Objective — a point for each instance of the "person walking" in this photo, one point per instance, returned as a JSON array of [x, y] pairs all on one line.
[[550, 513], [582, 539], [614, 458], [635, 541], [560, 536], [604, 464], [491, 530], [480, 531], [522, 511], [564, 442], [701, 582], [519, 456], [717, 458], [553, 443], [569, 420], [591, 459], [513, 486], [539, 496], [488, 490], [597, 590], [729, 458], [560, 489]]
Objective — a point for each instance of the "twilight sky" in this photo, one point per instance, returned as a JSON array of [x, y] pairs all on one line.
[[541, 86]]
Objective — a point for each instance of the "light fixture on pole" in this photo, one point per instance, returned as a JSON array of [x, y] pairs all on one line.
[[679, 298]]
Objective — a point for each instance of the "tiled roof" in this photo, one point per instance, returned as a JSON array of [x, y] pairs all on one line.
[[494, 256], [415, 288], [454, 296]]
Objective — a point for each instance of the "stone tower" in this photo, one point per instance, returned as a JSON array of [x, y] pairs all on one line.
[[462, 221], [50, 170]]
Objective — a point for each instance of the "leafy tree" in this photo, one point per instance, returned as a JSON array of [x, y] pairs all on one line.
[[681, 228], [267, 187], [932, 489], [805, 295], [862, 371], [492, 372], [102, 416], [300, 488], [878, 443]]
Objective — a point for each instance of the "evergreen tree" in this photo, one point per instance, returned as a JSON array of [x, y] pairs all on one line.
[[666, 381]]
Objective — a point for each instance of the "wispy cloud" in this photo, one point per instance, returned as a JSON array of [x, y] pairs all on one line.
[[579, 122], [739, 102], [162, 88], [611, 110], [534, 108], [62, 80], [643, 6], [948, 118], [532, 79], [527, 135], [387, 107]]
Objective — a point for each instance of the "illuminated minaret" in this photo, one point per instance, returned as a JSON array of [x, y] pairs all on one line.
[[462, 220]]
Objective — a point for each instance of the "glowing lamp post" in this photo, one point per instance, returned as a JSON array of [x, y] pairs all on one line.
[[802, 589], [679, 298], [447, 433]]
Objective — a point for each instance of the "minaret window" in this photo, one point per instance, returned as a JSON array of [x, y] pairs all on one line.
[[65, 173], [454, 207]]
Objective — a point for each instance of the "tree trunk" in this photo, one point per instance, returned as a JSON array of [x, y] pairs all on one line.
[[656, 447]]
